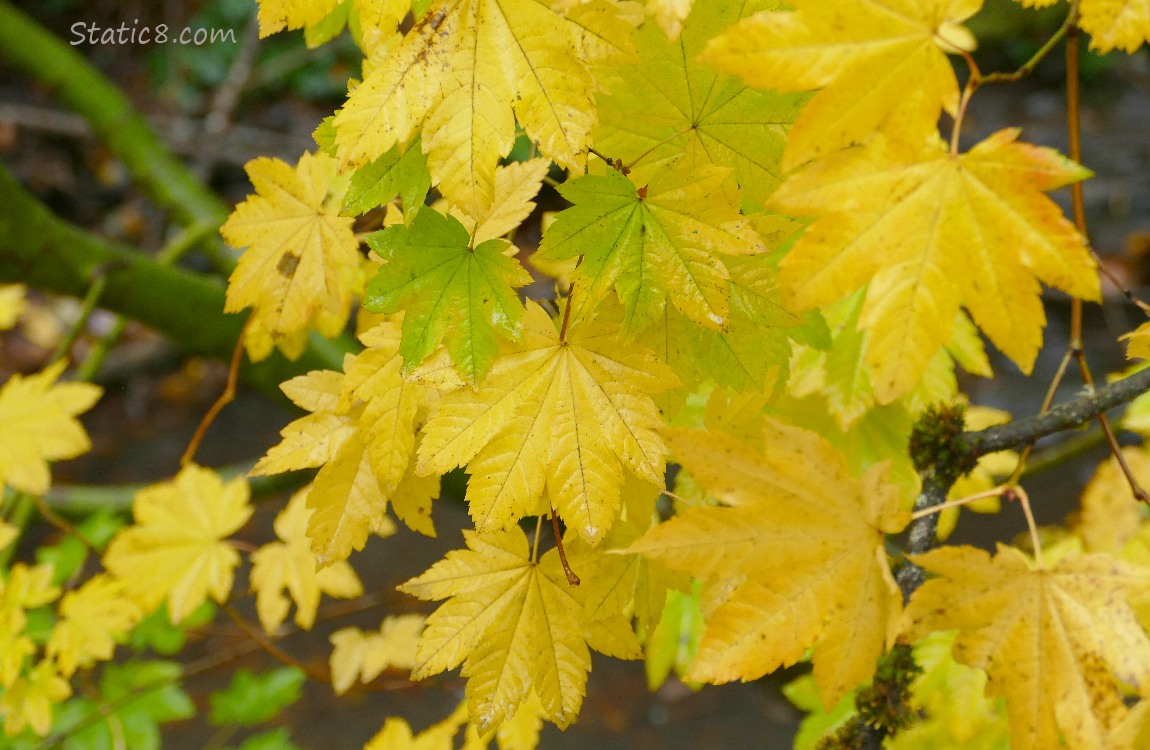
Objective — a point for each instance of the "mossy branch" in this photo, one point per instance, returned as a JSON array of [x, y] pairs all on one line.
[[60, 68], [41, 250], [942, 454]]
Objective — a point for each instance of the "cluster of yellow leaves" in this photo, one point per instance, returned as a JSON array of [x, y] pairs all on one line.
[[361, 432]]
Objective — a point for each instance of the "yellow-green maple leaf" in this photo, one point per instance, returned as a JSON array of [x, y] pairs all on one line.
[[25, 588], [512, 623], [667, 103], [1056, 642], [450, 290], [91, 621], [302, 258], [653, 242], [930, 231], [38, 424], [359, 656], [876, 64], [289, 565], [565, 415], [176, 550], [465, 73], [797, 562]]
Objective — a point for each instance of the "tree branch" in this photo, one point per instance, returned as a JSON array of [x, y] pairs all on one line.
[[47, 253], [59, 67], [951, 454]]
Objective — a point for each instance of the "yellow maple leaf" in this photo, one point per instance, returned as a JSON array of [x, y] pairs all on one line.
[[25, 588], [512, 623], [930, 231], [1122, 24], [512, 200], [38, 424], [176, 550], [28, 701], [562, 415], [797, 561], [360, 656], [362, 435], [91, 621], [465, 73], [289, 565], [302, 258], [1110, 516], [876, 64], [1057, 643]]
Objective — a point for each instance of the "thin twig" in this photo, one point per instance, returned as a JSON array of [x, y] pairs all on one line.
[[225, 398], [265, 643]]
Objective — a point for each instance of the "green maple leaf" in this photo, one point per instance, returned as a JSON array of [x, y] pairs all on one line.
[[653, 241], [669, 102], [449, 291]]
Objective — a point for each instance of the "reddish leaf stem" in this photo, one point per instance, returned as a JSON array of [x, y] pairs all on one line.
[[572, 579], [224, 399]]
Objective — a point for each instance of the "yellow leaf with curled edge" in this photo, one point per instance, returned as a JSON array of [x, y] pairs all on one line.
[[301, 261], [876, 64], [361, 657], [288, 565], [465, 73], [929, 232], [569, 416], [513, 624], [797, 560], [1061, 645], [38, 424], [177, 549], [91, 620]]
